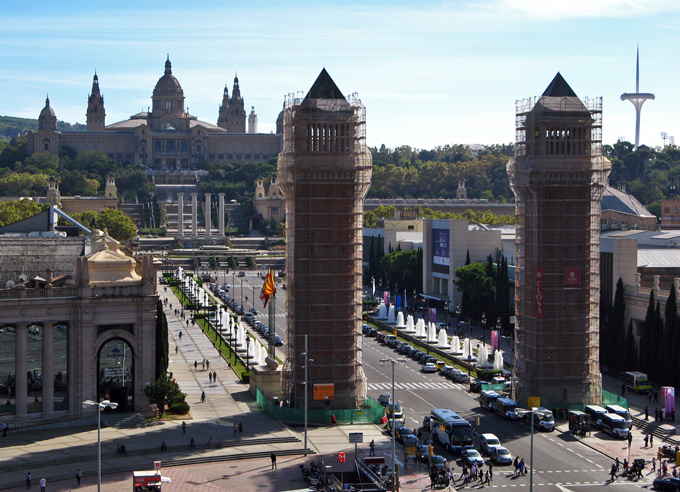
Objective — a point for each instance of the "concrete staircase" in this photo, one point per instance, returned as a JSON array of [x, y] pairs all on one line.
[[135, 211]]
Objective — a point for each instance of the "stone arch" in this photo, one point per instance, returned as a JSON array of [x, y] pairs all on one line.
[[116, 372]]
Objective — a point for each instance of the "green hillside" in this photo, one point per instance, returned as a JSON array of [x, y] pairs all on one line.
[[10, 126]]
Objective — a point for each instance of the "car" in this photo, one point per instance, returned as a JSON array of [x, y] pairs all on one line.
[[401, 432], [428, 367], [488, 441], [384, 399], [668, 483], [439, 462], [415, 355], [475, 386], [397, 424], [241, 274], [372, 332], [500, 455], [423, 453], [33, 330], [278, 341], [453, 374], [239, 310], [398, 412], [463, 377], [365, 329], [253, 311], [439, 364], [446, 369], [406, 349], [471, 455], [428, 359], [379, 336]]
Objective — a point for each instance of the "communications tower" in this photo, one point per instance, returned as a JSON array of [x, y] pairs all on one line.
[[637, 98]]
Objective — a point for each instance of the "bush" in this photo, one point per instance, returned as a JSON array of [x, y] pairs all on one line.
[[179, 408]]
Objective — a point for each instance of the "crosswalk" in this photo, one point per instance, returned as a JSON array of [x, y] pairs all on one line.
[[415, 385]]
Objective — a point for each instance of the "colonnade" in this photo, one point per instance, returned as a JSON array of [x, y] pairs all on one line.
[[194, 216], [21, 369]]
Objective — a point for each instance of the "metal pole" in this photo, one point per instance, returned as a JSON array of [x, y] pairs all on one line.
[[531, 456], [394, 452], [99, 447], [306, 384]]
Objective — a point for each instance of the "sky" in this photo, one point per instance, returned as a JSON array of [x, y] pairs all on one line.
[[430, 73]]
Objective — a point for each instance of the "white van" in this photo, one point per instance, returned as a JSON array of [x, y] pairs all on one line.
[[596, 413], [619, 410], [615, 425]]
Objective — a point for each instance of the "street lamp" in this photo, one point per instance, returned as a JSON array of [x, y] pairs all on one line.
[[307, 362], [100, 406], [446, 312], [394, 402], [522, 413], [482, 323]]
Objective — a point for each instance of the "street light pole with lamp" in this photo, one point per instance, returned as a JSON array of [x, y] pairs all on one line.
[[394, 448], [100, 406], [307, 362], [482, 324], [522, 413]]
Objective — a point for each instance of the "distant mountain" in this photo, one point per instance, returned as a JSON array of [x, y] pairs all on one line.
[[11, 126]]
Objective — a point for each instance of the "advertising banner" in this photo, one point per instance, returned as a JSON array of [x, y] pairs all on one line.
[[572, 276], [539, 292], [668, 399], [433, 315], [440, 247], [495, 341]]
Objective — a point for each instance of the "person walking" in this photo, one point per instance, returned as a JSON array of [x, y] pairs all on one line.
[[207, 364], [654, 464], [490, 472], [273, 458], [214, 377], [372, 448], [79, 475], [28, 480], [176, 349], [5, 427], [646, 440], [184, 427], [612, 472], [195, 365], [240, 429], [43, 484], [202, 396], [203, 365], [210, 377], [630, 439], [646, 412], [180, 335], [651, 440], [235, 431]]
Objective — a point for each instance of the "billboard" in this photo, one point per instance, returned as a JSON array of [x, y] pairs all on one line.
[[572, 276], [440, 246], [324, 391]]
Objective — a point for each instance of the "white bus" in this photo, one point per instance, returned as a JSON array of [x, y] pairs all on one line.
[[451, 430]]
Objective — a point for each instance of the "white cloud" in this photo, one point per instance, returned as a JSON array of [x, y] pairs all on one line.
[[556, 10]]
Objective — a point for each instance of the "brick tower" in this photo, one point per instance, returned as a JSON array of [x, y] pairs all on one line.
[[558, 176], [324, 173]]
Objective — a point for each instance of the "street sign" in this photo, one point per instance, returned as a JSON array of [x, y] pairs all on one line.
[[157, 465], [356, 437], [341, 457]]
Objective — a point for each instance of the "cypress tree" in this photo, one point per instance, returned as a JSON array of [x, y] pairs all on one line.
[[618, 327], [646, 336], [467, 258], [162, 348], [631, 349], [605, 338], [657, 334]]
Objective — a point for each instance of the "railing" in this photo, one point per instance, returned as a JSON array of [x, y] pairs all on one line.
[[57, 292]]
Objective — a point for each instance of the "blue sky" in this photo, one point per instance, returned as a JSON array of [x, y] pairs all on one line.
[[429, 73]]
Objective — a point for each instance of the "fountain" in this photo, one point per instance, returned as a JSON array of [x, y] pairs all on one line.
[[400, 320], [420, 329], [431, 333], [498, 360], [443, 339], [390, 314], [455, 344], [483, 355], [410, 328], [382, 311], [467, 350]]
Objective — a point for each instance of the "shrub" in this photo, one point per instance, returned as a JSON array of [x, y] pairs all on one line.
[[179, 408]]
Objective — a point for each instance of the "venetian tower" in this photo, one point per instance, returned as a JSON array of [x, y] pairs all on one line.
[[96, 116], [324, 173], [558, 176]]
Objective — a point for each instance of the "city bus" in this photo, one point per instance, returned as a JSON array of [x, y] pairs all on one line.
[[505, 407], [487, 399], [451, 430]]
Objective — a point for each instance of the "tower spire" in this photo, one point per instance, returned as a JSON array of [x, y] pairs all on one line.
[[637, 98]]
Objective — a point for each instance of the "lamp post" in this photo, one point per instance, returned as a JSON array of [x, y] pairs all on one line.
[[482, 324], [457, 314], [307, 362], [446, 313], [522, 413], [100, 406], [394, 402]]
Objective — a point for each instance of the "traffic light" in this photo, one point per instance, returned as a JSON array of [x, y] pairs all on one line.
[[430, 450]]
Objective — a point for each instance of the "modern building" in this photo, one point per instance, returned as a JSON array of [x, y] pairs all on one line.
[[324, 172], [558, 176], [164, 137], [77, 322]]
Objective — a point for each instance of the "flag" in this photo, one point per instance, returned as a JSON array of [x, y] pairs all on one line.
[[398, 303], [373, 287], [405, 303], [268, 289]]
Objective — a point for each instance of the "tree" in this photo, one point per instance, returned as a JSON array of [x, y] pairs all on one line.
[[400, 268], [162, 392], [162, 346], [618, 327], [630, 359], [646, 342], [474, 283], [118, 225], [667, 353], [16, 210]]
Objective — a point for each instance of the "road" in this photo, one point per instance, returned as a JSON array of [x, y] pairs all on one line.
[[561, 463]]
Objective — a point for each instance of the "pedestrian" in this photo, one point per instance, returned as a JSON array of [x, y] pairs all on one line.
[[195, 365], [79, 475], [654, 464], [192, 443], [176, 349], [240, 429], [516, 464], [522, 467], [656, 397], [490, 472], [202, 396], [646, 440], [43, 484], [651, 440], [214, 377], [672, 414], [210, 377], [432, 478], [5, 427], [630, 439], [28, 480], [209, 443], [203, 365], [180, 335], [207, 364], [647, 412], [612, 472], [273, 457], [372, 448], [184, 427], [333, 420]]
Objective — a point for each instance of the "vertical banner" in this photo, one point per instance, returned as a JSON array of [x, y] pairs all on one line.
[[495, 341], [386, 299], [668, 398], [440, 247], [405, 303], [433, 315], [539, 292], [398, 303]]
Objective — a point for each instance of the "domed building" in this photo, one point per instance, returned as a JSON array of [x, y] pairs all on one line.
[[167, 136]]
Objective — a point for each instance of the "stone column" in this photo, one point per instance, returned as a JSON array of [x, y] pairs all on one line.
[[194, 215], [48, 368], [21, 391], [208, 216], [180, 215], [220, 218]]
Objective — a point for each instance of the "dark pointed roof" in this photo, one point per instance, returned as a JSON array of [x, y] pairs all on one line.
[[559, 88], [324, 88]]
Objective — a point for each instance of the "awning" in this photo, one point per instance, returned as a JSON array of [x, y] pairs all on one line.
[[435, 296]]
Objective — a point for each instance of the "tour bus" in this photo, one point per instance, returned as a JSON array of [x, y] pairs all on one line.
[[615, 425], [619, 410], [487, 399], [451, 430], [596, 413], [505, 407]]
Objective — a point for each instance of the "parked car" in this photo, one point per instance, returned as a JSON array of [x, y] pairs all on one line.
[[445, 370], [397, 424], [462, 377], [471, 455], [372, 332], [475, 386], [668, 483], [253, 311], [439, 364], [428, 359], [278, 341], [428, 367], [384, 399], [401, 432], [488, 441], [500, 455], [365, 329]]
